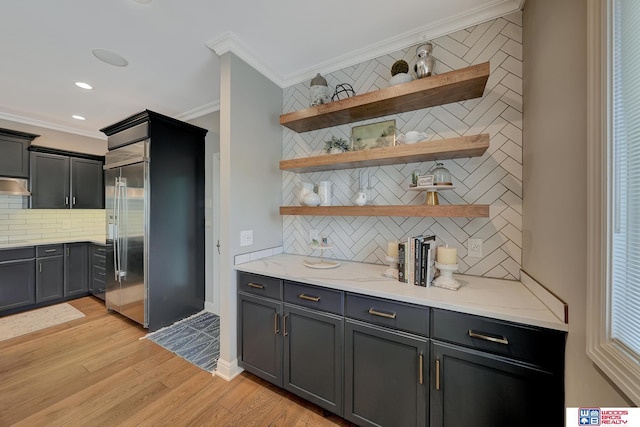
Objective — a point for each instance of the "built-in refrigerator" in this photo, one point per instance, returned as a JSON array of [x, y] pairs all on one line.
[[154, 201]]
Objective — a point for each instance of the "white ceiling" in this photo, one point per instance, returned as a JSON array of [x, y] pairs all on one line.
[[171, 46]]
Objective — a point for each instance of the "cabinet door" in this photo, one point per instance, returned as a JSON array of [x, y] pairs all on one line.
[[14, 161], [385, 377], [76, 269], [474, 388], [17, 284], [260, 339], [87, 188], [49, 181], [50, 279], [313, 356]]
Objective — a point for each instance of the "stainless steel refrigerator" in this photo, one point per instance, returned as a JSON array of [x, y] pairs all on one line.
[[126, 191], [154, 198]]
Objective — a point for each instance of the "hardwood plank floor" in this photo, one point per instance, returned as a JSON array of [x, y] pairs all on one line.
[[95, 371]]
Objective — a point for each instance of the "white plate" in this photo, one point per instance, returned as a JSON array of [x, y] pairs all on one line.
[[432, 187], [320, 264]]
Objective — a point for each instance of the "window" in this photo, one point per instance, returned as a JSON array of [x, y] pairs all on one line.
[[613, 320]]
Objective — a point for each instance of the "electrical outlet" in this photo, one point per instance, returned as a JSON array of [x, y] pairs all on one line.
[[246, 238], [474, 248]]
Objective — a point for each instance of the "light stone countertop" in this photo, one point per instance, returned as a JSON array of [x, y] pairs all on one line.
[[495, 298], [99, 239]]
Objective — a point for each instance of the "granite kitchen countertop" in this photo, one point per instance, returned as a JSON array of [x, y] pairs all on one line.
[[508, 300]]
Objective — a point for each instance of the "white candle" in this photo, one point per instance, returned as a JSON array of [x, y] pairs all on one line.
[[392, 249], [447, 255]]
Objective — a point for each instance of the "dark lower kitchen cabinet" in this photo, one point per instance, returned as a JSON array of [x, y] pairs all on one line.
[[385, 376], [17, 278], [98, 269], [50, 273], [313, 355], [76, 269], [60, 180], [492, 373], [260, 340]]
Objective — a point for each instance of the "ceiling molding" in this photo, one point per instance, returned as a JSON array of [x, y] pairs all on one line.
[[459, 22], [229, 42], [52, 126], [199, 111]]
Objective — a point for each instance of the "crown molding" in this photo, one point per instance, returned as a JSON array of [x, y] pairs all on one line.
[[52, 126], [199, 111], [229, 42]]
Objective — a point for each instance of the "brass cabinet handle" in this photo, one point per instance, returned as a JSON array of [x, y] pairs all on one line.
[[40, 265], [67, 251], [500, 340], [275, 324], [49, 250], [255, 285], [382, 314], [284, 322], [421, 361], [66, 201], [73, 202], [309, 297], [437, 374]]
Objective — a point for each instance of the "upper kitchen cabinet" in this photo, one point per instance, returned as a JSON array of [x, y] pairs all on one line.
[[65, 180], [14, 146]]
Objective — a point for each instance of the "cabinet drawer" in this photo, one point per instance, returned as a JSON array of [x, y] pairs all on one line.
[[316, 297], [99, 273], [393, 314], [99, 249], [530, 344], [49, 250], [18, 253], [99, 260], [260, 285]]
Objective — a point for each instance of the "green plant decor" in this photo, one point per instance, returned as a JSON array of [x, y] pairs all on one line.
[[335, 143]]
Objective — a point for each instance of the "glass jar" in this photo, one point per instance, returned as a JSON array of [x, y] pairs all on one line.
[[441, 175], [425, 64]]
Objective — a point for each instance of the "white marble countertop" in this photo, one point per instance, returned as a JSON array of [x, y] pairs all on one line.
[[99, 239], [495, 298]]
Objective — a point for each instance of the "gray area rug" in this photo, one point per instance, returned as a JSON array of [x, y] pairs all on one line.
[[196, 339]]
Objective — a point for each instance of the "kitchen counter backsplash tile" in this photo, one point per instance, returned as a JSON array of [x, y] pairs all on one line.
[[33, 225], [494, 179]]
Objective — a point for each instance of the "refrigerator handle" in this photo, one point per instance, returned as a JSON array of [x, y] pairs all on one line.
[[116, 219]]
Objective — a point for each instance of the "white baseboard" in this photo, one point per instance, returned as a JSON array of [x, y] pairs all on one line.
[[226, 370]]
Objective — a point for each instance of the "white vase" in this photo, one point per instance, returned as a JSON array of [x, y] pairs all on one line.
[[324, 191], [305, 188], [312, 199]]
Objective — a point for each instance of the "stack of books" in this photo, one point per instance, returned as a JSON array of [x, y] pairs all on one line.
[[416, 263]]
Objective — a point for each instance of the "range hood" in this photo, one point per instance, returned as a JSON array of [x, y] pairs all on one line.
[[13, 187]]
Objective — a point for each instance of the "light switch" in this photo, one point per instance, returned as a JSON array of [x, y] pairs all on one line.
[[246, 237]]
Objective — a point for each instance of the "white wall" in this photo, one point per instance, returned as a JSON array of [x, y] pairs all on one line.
[[250, 182], [211, 122], [554, 169]]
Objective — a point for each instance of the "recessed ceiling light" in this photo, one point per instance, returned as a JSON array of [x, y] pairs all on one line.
[[84, 85], [109, 57], [77, 117]]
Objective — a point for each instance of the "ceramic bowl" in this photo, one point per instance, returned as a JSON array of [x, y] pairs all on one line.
[[399, 79]]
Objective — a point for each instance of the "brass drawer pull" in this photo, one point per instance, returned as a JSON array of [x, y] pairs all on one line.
[[255, 285], [382, 314], [50, 250], [284, 322], [275, 324], [501, 340], [309, 297], [437, 374], [421, 361]]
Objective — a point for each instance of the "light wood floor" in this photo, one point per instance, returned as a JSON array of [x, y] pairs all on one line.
[[95, 371]]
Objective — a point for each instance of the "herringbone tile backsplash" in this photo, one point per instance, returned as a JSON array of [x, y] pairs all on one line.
[[494, 179]]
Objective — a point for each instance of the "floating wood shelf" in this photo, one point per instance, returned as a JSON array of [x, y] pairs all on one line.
[[453, 148], [460, 211], [457, 85]]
